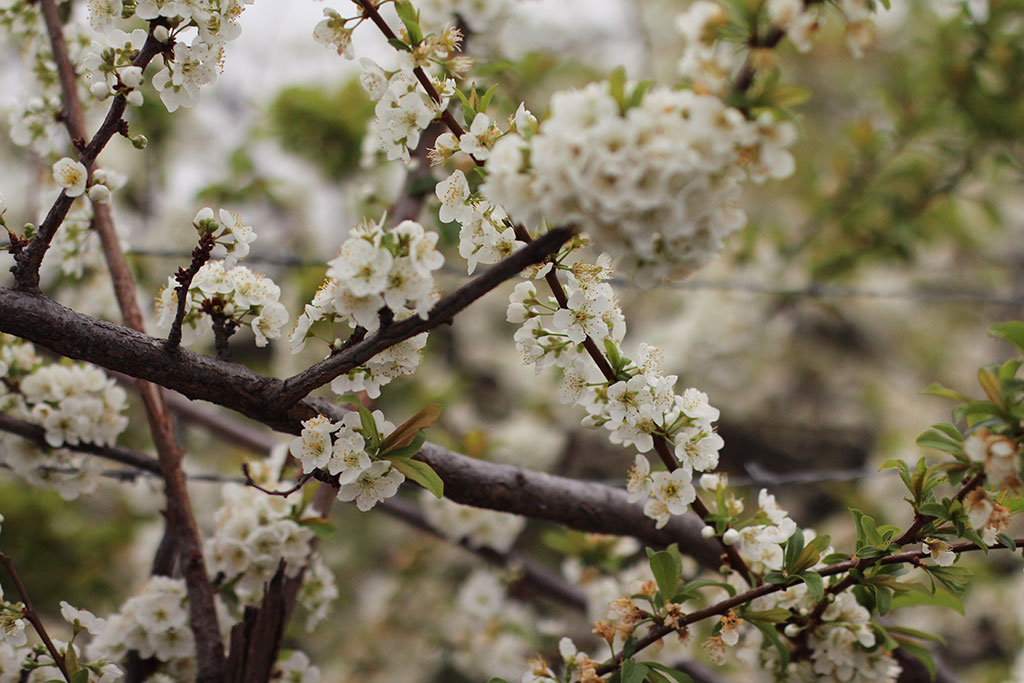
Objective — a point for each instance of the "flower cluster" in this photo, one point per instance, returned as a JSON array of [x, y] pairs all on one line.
[[343, 449], [403, 108], [478, 527], [488, 629], [760, 540], [377, 271], [226, 294], [197, 63], [554, 336], [109, 64], [227, 229], [73, 403], [639, 404], [486, 235], [155, 623], [37, 119], [655, 183], [843, 647], [253, 534]]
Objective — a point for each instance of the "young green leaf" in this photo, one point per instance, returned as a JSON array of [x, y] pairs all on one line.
[[815, 585], [920, 653], [421, 473], [632, 672], [410, 18], [772, 636], [677, 676], [1011, 331], [666, 572]]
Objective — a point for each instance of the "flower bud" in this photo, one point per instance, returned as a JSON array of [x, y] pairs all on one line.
[[162, 34], [100, 90], [99, 194], [730, 537], [131, 76], [140, 141], [205, 221], [707, 532], [134, 98]]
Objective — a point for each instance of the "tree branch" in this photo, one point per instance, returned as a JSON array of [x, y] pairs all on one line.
[[28, 260], [30, 613], [581, 505], [296, 387]]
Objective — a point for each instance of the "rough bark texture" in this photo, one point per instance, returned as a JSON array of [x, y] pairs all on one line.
[[580, 505]]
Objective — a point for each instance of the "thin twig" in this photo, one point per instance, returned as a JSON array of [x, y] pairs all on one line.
[[28, 260], [184, 277], [29, 612], [249, 481]]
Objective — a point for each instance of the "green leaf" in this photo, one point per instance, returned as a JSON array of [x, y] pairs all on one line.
[[678, 676], [954, 579], [976, 410], [990, 384], [835, 558], [794, 546], [410, 17], [407, 431], [701, 583], [495, 679], [916, 633], [935, 439], [410, 450], [485, 101], [80, 676], [633, 672], [772, 636], [883, 600], [320, 526], [936, 389], [939, 599], [1006, 541], [369, 425], [421, 473], [1010, 331], [815, 585], [775, 615], [617, 85], [399, 45], [920, 653], [666, 572]]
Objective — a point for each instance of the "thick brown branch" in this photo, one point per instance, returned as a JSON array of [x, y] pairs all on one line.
[[584, 506]]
